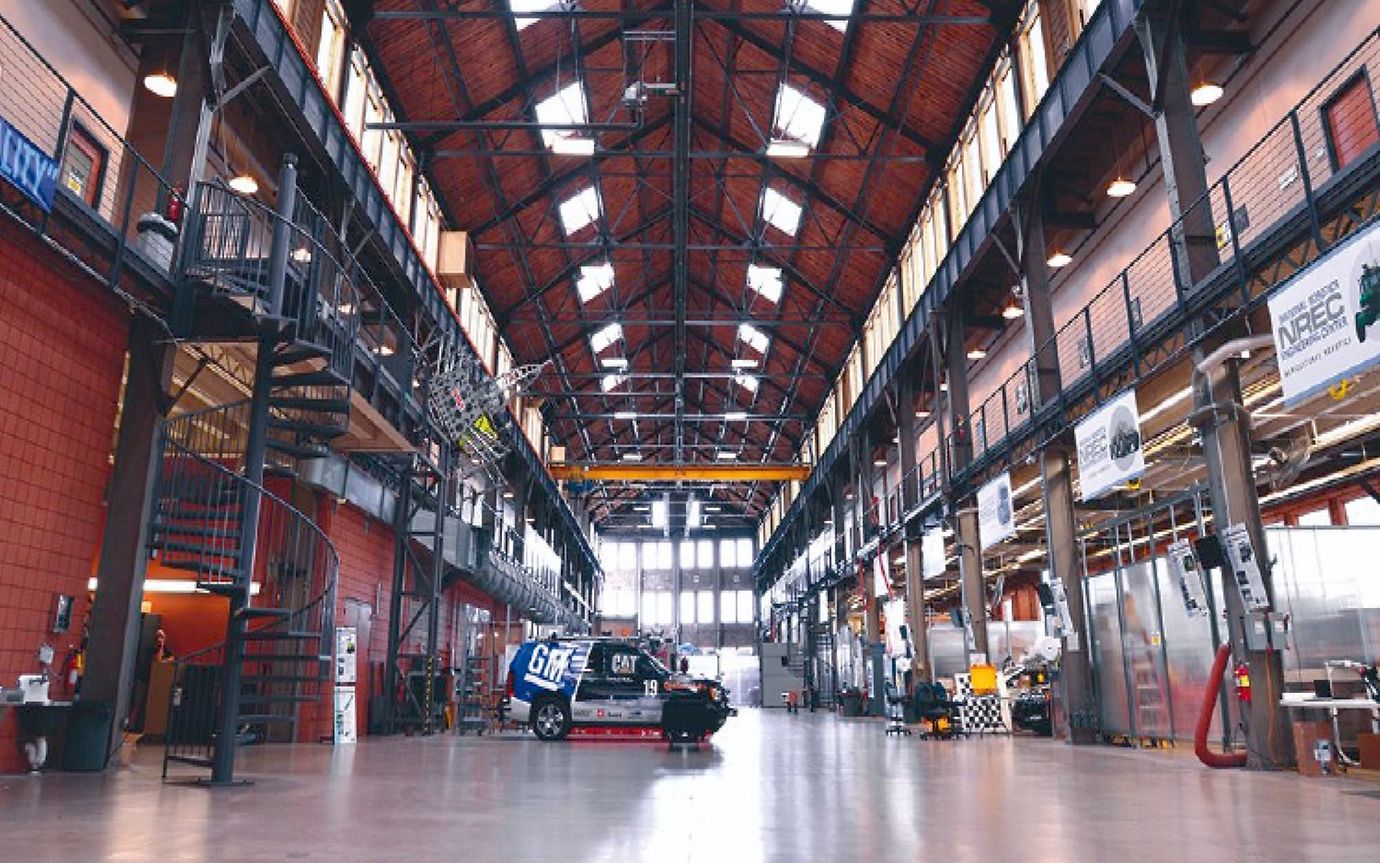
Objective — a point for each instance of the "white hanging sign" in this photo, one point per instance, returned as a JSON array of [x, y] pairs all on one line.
[[1183, 565], [932, 561], [996, 511], [1109, 447], [1326, 320], [1245, 569]]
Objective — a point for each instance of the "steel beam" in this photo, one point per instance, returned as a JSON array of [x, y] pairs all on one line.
[[680, 472], [1079, 707], [114, 629]]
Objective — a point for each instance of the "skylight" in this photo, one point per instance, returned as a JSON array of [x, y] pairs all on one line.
[[532, 6], [593, 281], [582, 209], [765, 281], [605, 337], [747, 382], [798, 117], [780, 211], [610, 382], [755, 338], [831, 7], [567, 107]]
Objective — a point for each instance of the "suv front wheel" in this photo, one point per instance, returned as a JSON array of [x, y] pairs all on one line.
[[551, 719]]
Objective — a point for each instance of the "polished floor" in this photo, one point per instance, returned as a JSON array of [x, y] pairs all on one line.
[[772, 787]]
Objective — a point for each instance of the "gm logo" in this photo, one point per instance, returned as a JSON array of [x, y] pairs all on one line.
[[548, 665]]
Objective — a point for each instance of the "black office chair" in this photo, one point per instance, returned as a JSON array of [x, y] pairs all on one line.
[[936, 711]]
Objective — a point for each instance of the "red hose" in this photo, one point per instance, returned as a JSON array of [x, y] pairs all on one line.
[[1200, 734]]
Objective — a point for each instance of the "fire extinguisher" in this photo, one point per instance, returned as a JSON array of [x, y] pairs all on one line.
[[1241, 674], [173, 211]]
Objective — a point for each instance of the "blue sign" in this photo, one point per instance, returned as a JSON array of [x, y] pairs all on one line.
[[26, 167]]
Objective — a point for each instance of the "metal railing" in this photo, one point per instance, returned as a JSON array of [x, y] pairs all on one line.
[[1272, 204], [1255, 212], [98, 203], [291, 581]]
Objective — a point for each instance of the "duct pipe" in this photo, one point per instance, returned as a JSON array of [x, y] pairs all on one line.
[[1200, 733]]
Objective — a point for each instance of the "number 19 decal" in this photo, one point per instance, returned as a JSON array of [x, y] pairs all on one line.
[[650, 687]]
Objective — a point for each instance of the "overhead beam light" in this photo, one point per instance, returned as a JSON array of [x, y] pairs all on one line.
[[724, 455], [1205, 93], [625, 415], [632, 456], [161, 84], [1059, 258], [1121, 188], [735, 416], [976, 353], [614, 362], [743, 363], [244, 184], [1013, 311]]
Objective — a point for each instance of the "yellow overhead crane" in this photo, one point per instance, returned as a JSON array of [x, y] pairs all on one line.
[[683, 472]]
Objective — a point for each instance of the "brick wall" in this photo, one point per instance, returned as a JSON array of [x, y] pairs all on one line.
[[58, 393], [365, 546]]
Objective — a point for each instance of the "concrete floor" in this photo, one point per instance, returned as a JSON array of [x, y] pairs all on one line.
[[773, 787]]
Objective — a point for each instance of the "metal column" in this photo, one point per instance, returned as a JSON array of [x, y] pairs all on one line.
[[255, 456], [1223, 423], [114, 634], [969, 542], [1077, 698]]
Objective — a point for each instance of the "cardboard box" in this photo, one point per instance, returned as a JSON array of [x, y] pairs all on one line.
[[1370, 750], [1306, 735]]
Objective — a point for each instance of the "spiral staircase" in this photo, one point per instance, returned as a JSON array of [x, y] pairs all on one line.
[[264, 280]]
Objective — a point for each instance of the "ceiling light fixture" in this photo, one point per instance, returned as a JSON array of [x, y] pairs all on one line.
[[632, 456], [1121, 188], [1013, 311], [879, 462], [161, 84], [744, 363], [976, 353], [244, 184], [726, 456], [1059, 258], [1205, 94], [625, 415], [735, 416], [614, 362]]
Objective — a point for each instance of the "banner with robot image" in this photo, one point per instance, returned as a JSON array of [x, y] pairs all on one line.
[[1326, 320]]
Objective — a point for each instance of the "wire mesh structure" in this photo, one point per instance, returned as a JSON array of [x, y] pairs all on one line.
[[468, 404]]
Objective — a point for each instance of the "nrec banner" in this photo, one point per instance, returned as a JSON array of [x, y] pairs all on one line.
[[1324, 319]]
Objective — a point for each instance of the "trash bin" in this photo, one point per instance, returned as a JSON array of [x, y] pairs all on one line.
[[851, 699], [87, 742]]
